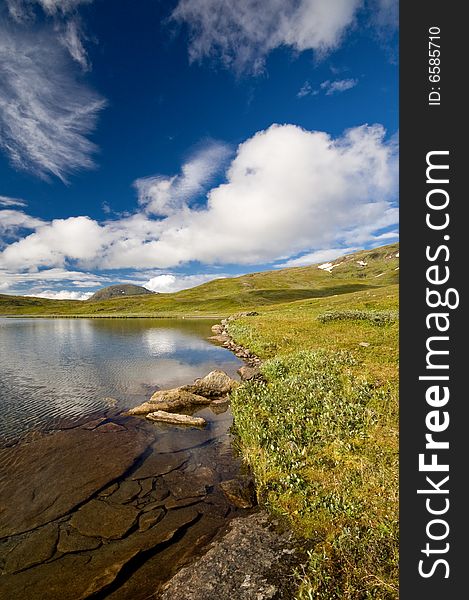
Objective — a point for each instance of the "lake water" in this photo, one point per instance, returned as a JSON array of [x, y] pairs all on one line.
[[54, 372]]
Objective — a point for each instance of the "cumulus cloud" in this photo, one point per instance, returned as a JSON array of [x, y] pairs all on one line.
[[288, 191], [7, 201], [45, 113], [174, 283], [320, 256], [161, 195], [53, 244], [243, 33]]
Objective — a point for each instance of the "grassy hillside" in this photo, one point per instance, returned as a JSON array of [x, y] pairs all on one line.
[[226, 296], [321, 435]]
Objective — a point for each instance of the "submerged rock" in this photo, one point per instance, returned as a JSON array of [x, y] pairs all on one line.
[[216, 383], [239, 493], [48, 478], [165, 417], [100, 519], [33, 549]]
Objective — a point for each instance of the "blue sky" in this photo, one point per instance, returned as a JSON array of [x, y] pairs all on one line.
[[168, 143]]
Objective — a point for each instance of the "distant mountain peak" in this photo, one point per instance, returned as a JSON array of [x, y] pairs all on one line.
[[119, 291]]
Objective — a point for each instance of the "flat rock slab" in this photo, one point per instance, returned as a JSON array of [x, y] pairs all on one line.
[[44, 480], [189, 485], [160, 464], [246, 564], [72, 541], [33, 549], [127, 491], [162, 416], [77, 577], [98, 518]]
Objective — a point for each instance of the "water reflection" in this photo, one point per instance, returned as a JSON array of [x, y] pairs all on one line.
[[52, 370]]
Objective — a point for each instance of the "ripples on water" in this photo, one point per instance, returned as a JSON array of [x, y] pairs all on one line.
[[54, 372]]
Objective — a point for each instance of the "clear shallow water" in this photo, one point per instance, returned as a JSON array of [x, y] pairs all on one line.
[[54, 372]]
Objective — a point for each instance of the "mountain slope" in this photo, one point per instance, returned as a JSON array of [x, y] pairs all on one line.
[[364, 270]]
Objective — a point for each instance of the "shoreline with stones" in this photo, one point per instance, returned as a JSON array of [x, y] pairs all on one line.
[[105, 522]]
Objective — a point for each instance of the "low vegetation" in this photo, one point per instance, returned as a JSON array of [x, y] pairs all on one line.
[[321, 436]]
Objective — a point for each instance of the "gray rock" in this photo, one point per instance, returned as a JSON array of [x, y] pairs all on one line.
[[246, 564], [216, 383], [247, 373]]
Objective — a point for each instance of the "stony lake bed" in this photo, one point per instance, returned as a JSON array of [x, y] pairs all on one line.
[[109, 505]]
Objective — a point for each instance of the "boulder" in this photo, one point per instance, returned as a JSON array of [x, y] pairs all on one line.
[[168, 400], [165, 417], [246, 373], [217, 329], [216, 383]]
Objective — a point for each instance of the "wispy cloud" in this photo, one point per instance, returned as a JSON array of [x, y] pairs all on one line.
[[338, 86], [45, 113], [306, 90], [241, 34], [23, 10], [7, 201], [163, 195], [327, 87], [71, 36]]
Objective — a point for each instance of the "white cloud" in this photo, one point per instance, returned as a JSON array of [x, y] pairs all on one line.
[[45, 114], [71, 38], [338, 86], [52, 244], [61, 295], [287, 191], [243, 33], [174, 283], [7, 201], [21, 10], [320, 256], [161, 195], [384, 14], [306, 90], [11, 220]]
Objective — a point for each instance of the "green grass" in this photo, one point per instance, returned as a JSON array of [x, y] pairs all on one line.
[[321, 436], [222, 297]]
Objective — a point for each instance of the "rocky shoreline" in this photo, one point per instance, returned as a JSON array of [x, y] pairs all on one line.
[[109, 510]]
